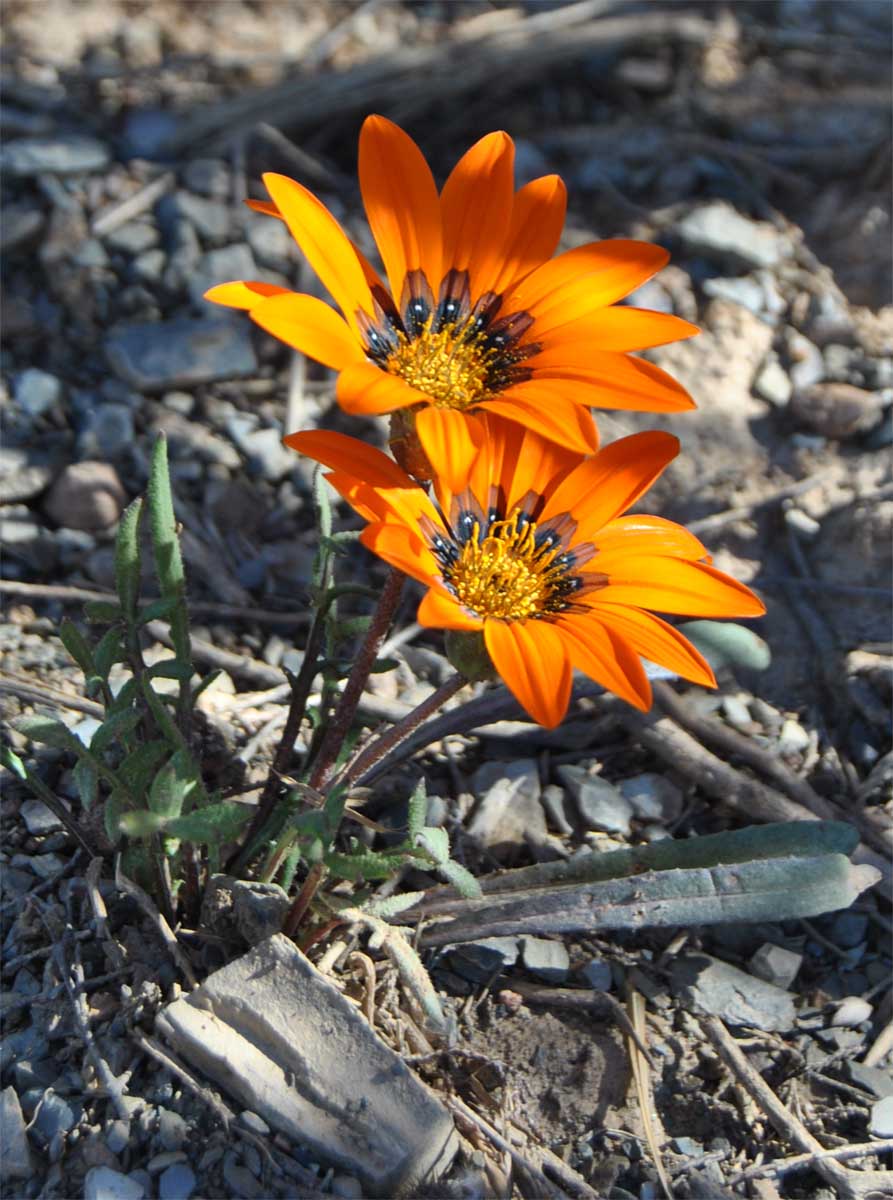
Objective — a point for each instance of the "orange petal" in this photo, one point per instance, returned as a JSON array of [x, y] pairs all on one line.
[[673, 585], [606, 658], [350, 456], [401, 202], [266, 207], [657, 641], [451, 441], [605, 486], [324, 242], [311, 326], [402, 548], [649, 535], [612, 380], [531, 658], [547, 409], [366, 390], [617, 329], [537, 220], [586, 278], [439, 610], [246, 294], [476, 206]]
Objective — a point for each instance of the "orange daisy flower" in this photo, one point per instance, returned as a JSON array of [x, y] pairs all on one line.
[[477, 314], [532, 550]]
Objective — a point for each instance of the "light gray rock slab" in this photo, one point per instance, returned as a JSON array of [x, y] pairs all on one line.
[[653, 796], [159, 355], [480, 961], [38, 818], [510, 813], [275, 1034], [37, 392], [776, 964], [177, 1183], [63, 154], [599, 803], [546, 959], [15, 1154], [102, 1183], [881, 1123], [716, 229], [715, 987]]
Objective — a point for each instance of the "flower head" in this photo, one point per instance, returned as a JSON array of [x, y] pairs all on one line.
[[532, 550], [477, 315]]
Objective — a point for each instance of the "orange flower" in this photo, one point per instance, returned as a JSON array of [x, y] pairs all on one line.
[[533, 551], [478, 315]]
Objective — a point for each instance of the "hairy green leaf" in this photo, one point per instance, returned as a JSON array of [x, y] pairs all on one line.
[[77, 646], [724, 643], [103, 612], [140, 824], [140, 767], [115, 725], [436, 842], [86, 780], [418, 809], [109, 650], [166, 547], [127, 558], [114, 809], [215, 823], [157, 610], [50, 732], [174, 785], [461, 879]]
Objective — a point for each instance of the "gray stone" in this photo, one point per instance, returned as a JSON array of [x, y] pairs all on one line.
[[599, 803], [711, 986], [717, 230], [45, 866], [173, 1130], [239, 1179], [38, 818], [546, 959], [19, 225], [872, 1079], [133, 238], [156, 356], [160, 1162], [211, 218], [23, 474], [191, 440], [652, 295], [269, 239], [258, 909], [109, 431], [91, 253], [347, 1187], [178, 1182], [736, 712], [117, 1136], [510, 812], [208, 177], [598, 975], [37, 391], [87, 495], [15, 1153], [653, 796], [56, 1115], [61, 154], [284, 1042], [851, 1012], [252, 1121], [849, 929], [807, 365], [837, 410], [221, 266], [802, 523], [102, 1183], [150, 266], [746, 291], [881, 1123], [266, 454], [776, 964], [553, 799], [772, 384], [687, 1146], [793, 738], [480, 961]]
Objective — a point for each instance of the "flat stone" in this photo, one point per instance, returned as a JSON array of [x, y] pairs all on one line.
[[266, 454], [711, 986], [109, 431], [851, 1011], [553, 801], [807, 364], [208, 177], [849, 929], [653, 796], [776, 964], [258, 909], [37, 392], [598, 975], [252, 1121], [133, 238], [772, 384], [793, 738], [270, 240], [480, 961], [872, 1079], [173, 1130], [221, 266], [599, 803], [19, 225], [243, 1184], [837, 410], [510, 812], [546, 959], [87, 495], [283, 1041], [102, 1183], [56, 1115], [38, 818], [347, 1187], [24, 474], [211, 218], [178, 1182], [717, 230], [62, 154], [117, 1136], [746, 291], [880, 1124], [155, 356], [15, 1153]]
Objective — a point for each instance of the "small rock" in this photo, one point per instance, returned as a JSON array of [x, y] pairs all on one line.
[[45, 866], [772, 384], [210, 218], [480, 961], [598, 975], [510, 812], [651, 295], [807, 365], [715, 987], [736, 712], [15, 1153], [881, 1122], [553, 802], [793, 738], [63, 154], [849, 929], [240, 1180], [270, 240], [547, 960], [147, 129], [178, 1182], [802, 523], [150, 266], [56, 1115], [87, 495], [102, 1183], [24, 474], [38, 818], [653, 797], [266, 454], [117, 1136], [109, 431], [775, 964], [133, 238], [347, 1187], [687, 1146], [221, 266], [258, 909], [252, 1121], [156, 356], [599, 803], [209, 177], [173, 1130], [18, 225], [160, 1162], [872, 1079], [37, 391], [837, 410], [716, 229], [850, 1012], [746, 291]]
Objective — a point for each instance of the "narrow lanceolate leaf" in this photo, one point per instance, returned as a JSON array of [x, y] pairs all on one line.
[[127, 558], [50, 732], [435, 842], [115, 727], [174, 786], [156, 610], [140, 767], [114, 809], [724, 644], [109, 650], [170, 668], [460, 878], [86, 780], [77, 646], [213, 824], [103, 612], [418, 809], [166, 547]]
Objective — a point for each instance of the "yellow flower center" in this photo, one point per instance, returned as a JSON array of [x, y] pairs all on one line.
[[511, 573], [452, 365]]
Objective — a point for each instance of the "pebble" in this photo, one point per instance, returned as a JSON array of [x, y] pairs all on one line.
[[87, 495], [56, 1115], [117, 1136], [37, 391], [802, 523], [221, 266], [63, 154], [653, 797], [269, 240], [160, 355], [599, 803], [598, 975], [38, 818], [210, 218], [109, 431], [15, 1153], [717, 230], [772, 384], [178, 1182], [850, 1012], [793, 738], [173, 1130], [266, 454], [209, 177], [746, 291], [240, 1180], [837, 410], [736, 712], [651, 295], [807, 365], [18, 225], [881, 1122], [712, 986], [480, 961], [545, 959], [776, 964], [23, 475], [160, 1162], [849, 929], [133, 238], [258, 909], [510, 812], [872, 1079], [102, 1183], [687, 1146], [347, 1187], [250, 1120], [553, 799]]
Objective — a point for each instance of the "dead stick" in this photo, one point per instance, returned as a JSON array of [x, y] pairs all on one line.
[[167, 934], [801, 1161]]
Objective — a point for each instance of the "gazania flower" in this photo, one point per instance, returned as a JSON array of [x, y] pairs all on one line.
[[477, 314], [532, 550]]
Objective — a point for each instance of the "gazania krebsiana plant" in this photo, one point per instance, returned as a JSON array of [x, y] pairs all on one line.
[[476, 314], [529, 546]]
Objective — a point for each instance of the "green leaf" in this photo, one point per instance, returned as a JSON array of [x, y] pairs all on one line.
[[109, 650], [436, 842], [370, 865], [163, 719], [381, 665], [50, 732], [174, 785], [723, 643], [348, 627], [389, 907], [166, 547], [139, 768], [127, 558], [215, 823], [77, 646], [206, 683], [86, 780], [418, 809], [157, 610], [461, 879], [103, 612], [140, 824], [115, 725], [114, 809], [170, 668]]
